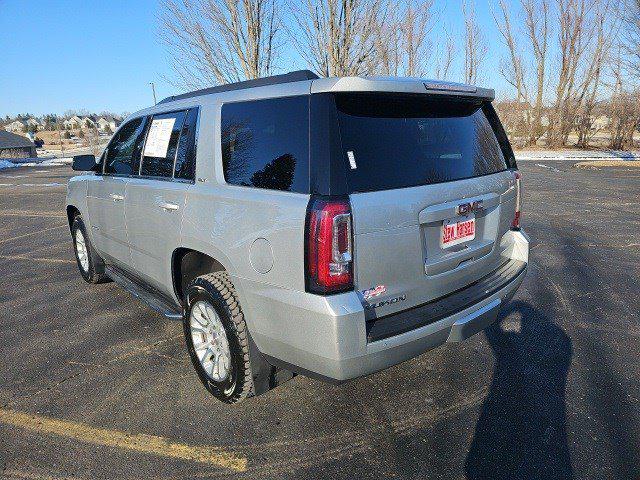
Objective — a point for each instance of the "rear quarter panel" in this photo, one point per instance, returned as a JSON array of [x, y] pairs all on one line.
[[256, 234]]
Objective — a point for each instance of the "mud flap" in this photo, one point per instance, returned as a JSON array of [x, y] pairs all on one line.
[[265, 376]]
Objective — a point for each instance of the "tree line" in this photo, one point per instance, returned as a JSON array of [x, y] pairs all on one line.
[[566, 60]]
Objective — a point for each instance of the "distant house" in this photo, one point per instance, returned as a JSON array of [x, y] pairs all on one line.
[[16, 146], [600, 123], [104, 122], [73, 123], [87, 122], [34, 122], [17, 126]]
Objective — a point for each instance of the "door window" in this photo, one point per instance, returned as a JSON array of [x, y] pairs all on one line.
[[186, 157], [161, 145], [123, 152]]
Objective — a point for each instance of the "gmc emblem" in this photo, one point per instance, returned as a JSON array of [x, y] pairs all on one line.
[[467, 208]]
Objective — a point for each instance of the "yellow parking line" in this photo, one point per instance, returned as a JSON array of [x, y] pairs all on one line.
[[36, 259], [21, 213], [4, 240], [149, 444]]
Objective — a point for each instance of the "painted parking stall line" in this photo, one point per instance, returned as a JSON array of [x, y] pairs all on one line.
[[143, 443], [5, 240], [36, 259]]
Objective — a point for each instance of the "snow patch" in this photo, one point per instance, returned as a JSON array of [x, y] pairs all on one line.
[[35, 162], [547, 166], [53, 184], [7, 164], [576, 155]]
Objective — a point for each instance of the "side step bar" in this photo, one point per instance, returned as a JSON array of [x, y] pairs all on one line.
[[152, 298]]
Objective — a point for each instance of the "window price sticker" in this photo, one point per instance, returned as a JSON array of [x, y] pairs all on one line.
[[158, 137]]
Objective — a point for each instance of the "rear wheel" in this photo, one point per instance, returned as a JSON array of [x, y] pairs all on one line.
[[90, 264], [217, 338]]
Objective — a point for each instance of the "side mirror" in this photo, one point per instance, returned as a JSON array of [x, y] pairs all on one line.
[[84, 163]]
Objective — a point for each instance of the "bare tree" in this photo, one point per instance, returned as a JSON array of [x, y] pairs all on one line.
[[415, 29], [625, 119], [574, 37], [631, 37], [529, 91], [402, 38], [623, 108], [513, 69], [585, 36], [585, 31], [220, 41], [338, 37], [475, 46], [537, 28], [444, 61], [388, 44], [592, 78]]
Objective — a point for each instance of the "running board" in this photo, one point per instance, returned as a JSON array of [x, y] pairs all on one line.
[[153, 299]]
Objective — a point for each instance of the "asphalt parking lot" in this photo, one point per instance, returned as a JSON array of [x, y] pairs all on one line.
[[93, 384]]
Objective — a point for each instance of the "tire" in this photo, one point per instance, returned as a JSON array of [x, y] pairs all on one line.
[[90, 264], [216, 291]]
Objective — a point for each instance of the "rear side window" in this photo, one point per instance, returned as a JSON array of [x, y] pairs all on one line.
[[265, 143], [161, 145], [397, 141], [123, 151]]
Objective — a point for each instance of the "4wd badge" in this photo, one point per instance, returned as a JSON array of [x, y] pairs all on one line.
[[374, 292]]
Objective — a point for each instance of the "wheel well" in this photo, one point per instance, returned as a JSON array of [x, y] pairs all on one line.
[[72, 213], [188, 264]]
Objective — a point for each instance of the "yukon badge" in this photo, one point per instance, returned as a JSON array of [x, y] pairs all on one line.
[[376, 292], [467, 208], [384, 303]]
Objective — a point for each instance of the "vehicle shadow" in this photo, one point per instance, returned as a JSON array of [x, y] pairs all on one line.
[[521, 432]]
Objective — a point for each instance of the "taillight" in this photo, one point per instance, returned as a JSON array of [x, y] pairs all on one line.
[[515, 225], [329, 246]]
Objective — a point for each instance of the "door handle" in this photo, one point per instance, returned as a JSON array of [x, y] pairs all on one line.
[[116, 197], [168, 205]]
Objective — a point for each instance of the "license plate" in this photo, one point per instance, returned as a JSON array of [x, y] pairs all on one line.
[[458, 230]]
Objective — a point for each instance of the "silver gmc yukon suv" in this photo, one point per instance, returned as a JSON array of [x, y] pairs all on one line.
[[330, 227]]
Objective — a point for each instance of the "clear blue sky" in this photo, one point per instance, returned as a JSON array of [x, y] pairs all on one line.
[[101, 55]]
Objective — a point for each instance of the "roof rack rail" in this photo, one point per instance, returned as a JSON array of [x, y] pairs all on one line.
[[296, 76]]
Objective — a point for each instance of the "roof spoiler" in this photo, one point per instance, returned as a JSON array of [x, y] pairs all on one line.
[[296, 76], [407, 85], [459, 89]]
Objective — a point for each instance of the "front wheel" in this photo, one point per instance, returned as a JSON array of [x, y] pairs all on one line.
[[89, 262], [217, 338]]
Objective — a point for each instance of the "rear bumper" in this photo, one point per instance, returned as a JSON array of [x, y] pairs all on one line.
[[446, 306], [330, 337]]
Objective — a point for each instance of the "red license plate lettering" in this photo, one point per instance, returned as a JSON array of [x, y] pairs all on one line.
[[455, 232]]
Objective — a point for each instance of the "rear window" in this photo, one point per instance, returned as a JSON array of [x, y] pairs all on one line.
[[397, 141], [265, 143]]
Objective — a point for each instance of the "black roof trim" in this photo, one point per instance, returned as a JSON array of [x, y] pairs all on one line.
[[297, 76]]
